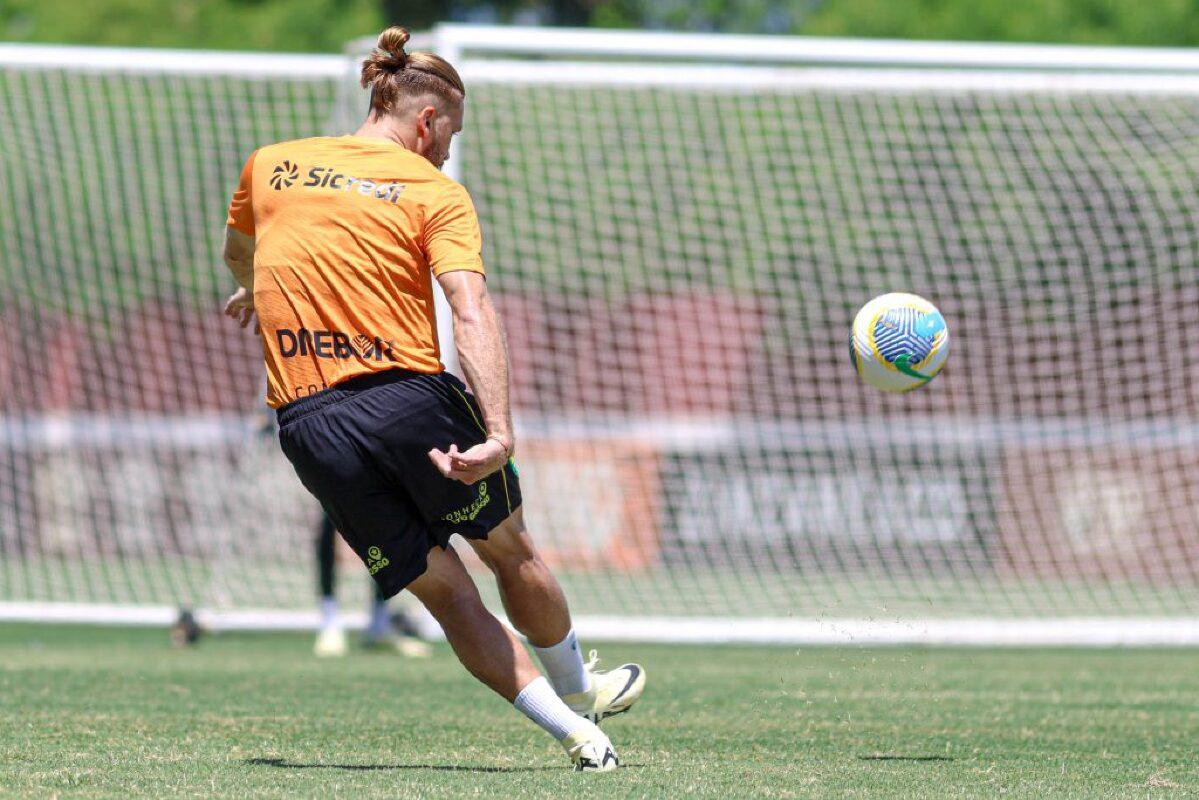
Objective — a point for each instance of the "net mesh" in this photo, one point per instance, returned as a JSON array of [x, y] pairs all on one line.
[[677, 267], [130, 467]]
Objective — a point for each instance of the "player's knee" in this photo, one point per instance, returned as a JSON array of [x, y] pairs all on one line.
[[509, 552], [526, 569], [521, 564], [442, 590], [445, 599]]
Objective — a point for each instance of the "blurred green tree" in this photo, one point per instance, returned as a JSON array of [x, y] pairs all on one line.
[[324, 25], [1126, 22], [287, 25]]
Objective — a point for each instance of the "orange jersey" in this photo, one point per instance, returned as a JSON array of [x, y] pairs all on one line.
[[348, 231]]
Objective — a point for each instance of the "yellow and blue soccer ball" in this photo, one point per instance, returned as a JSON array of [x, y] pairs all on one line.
[[899, 342]]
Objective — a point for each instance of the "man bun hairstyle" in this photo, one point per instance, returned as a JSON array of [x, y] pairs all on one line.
[[392, 74]]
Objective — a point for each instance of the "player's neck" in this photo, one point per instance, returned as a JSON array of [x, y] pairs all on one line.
[[384, 129]]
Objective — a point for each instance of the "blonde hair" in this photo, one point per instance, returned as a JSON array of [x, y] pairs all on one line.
[[390, 74]]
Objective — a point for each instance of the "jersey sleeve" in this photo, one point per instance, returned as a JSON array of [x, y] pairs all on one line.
[[452, 237], [241, 208]]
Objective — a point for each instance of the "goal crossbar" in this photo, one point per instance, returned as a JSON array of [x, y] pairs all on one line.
[[473, 40], [482, 41]]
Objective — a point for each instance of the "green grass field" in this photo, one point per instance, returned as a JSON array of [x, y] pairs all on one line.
[[93, 712]]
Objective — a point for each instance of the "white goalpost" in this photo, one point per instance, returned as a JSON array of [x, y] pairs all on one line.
[[679, 229]]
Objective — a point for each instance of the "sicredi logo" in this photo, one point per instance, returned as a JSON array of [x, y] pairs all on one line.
[[286, 174]]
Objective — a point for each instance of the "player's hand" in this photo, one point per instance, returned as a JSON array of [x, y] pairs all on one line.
[[240, 306], [472, 465]]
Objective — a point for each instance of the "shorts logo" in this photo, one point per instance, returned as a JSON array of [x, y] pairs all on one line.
[[468, 513], [375, 560], [284, 175], [332, 344]]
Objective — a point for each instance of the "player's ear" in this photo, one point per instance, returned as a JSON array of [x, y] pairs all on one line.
[[425, 119]]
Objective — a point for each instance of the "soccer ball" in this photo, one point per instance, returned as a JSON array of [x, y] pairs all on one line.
[[899, 342]]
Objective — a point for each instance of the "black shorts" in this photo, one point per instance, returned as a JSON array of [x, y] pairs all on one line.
[[361, 447]]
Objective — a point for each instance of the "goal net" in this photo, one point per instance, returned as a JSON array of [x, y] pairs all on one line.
[[679, 230]]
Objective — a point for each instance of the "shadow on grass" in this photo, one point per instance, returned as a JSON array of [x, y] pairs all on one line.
[[892, 757], [285, 764]]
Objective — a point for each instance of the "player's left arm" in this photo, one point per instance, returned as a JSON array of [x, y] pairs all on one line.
[[239, 246], [239, 258]]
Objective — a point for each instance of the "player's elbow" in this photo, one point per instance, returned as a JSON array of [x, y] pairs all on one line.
[[471, 310], [468, 318]]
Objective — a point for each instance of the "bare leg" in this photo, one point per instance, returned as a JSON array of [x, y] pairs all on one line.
[[492, 654], [484, 646], [531, 595]]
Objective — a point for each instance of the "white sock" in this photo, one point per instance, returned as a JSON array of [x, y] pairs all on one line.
[[538, 702], [563, 664], [329, 617], [380, 623]]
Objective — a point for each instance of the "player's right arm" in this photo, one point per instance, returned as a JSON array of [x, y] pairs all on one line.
[[239, 247], [453, 245], [480, 343]]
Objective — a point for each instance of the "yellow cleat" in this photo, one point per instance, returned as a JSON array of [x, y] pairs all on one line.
[[590, 750], [611, 693]]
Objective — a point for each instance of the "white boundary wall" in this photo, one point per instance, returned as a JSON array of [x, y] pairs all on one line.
[[688, 60], [978, 632]]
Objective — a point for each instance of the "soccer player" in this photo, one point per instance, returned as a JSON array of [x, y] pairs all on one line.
[[335, 242]]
